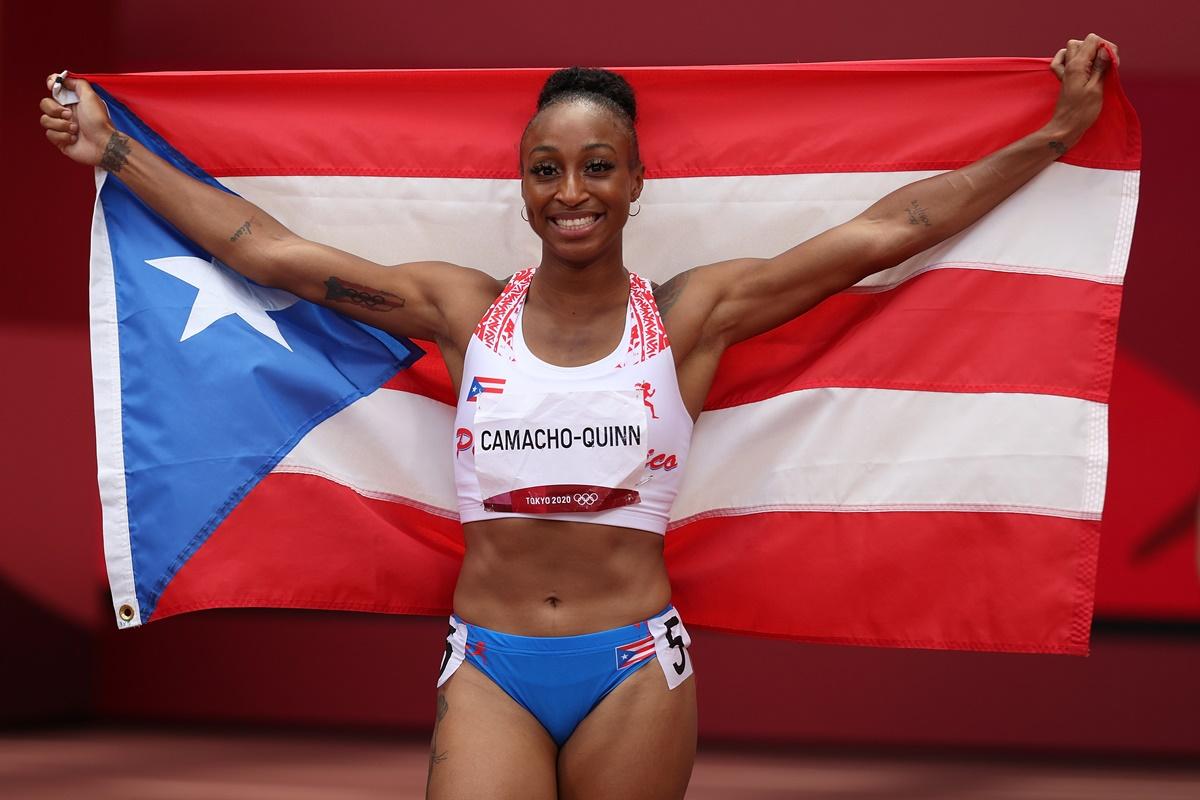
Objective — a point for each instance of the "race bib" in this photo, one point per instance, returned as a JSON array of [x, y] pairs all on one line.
[[565, 451]]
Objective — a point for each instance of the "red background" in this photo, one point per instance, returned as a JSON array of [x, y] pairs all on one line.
[[65, 659]]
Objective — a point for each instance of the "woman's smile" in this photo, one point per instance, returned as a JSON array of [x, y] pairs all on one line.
[[578, 225]]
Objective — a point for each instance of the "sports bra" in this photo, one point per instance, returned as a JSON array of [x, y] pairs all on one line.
[[604, 442]]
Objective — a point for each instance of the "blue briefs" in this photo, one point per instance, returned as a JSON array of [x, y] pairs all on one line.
[[560, 679]]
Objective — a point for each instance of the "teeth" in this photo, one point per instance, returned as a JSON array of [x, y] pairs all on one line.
[[581, 222]]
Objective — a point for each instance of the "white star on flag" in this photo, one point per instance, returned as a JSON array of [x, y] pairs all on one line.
[[222, 292]]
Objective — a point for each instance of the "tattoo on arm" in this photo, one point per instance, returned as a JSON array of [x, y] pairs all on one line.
[[666, 295], [242, 231], [116, 152], [339, 291], [1059, 148], [917, 215]]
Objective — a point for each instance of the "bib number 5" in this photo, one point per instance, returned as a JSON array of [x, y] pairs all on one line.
[[676, 643]]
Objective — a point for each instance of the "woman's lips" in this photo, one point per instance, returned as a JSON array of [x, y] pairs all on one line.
[[575, 227]]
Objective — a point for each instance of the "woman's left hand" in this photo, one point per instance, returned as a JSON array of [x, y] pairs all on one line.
[[1081, 66]]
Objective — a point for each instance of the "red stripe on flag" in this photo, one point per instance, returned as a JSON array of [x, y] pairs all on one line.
[[912, 579], [299, 541], [897, 579], [947, 330], [748, 120]]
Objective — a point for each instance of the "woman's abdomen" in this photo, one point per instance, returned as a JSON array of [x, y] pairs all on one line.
[[549, 578]]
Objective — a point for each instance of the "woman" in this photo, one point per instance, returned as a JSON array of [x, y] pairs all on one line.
[[566, 672]]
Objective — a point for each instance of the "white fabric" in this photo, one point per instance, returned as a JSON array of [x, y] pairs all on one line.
[[564, 428], [502, 358], [947, 459], [671, 641], [455, 652], [106, 389], [393, 220], [61, 94]]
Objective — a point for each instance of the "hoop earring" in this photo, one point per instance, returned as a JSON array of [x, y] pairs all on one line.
[[523, 214], [635, 213]]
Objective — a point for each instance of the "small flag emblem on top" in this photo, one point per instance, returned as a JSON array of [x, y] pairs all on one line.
[[479, 385]]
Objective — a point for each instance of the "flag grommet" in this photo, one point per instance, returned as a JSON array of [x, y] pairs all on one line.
[[125, 612]]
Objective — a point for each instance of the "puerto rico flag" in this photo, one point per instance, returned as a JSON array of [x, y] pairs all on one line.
[[919, 461], [635, 652], [480, 384]]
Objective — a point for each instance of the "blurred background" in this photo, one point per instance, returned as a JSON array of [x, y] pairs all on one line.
[[231, 703]]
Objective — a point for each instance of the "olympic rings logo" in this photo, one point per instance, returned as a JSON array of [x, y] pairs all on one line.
[[586, 499]]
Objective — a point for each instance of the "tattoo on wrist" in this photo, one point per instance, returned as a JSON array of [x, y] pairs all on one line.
[[242, 231], [339, 291], [116, 153], [917, 215], [1059, 148]]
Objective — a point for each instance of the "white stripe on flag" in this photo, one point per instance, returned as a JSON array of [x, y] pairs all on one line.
[[110, 443], [1070, 221], [829, 449], [835, 449], [410, 459]]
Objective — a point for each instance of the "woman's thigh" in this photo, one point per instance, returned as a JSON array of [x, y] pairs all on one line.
[[485, 745], [640, 741]]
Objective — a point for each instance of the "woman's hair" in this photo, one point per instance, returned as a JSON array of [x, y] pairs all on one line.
[[600, 86]]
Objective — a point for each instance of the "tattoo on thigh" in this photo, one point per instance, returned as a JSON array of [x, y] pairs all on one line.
[[1059, 148], [434, 756], [340, 291], [242, 231], [443, 706], [116, 153], [917, 215]]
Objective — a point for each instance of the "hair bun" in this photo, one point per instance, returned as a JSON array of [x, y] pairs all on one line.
[[581, 81]]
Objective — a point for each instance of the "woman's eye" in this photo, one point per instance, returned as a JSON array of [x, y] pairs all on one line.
[[599, 166], [542, 169]]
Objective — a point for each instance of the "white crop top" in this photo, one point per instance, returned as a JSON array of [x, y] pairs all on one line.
[[605, 442]]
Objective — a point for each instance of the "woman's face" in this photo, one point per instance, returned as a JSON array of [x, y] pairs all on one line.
[[578, 179]]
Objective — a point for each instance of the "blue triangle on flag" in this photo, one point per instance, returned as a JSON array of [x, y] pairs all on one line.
[[206, 414]]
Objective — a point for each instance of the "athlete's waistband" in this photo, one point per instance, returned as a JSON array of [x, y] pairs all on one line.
[[579, 643]]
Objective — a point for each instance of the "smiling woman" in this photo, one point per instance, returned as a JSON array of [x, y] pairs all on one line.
[[565, 671], [580, 165]]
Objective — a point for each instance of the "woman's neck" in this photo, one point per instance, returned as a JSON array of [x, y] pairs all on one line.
[[580, 290]]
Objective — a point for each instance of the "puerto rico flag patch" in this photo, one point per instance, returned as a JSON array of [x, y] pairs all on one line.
[[479, 385], [635, 652]]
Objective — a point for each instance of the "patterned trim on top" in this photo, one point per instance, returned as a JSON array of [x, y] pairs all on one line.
[[498, 325], [647, 335]]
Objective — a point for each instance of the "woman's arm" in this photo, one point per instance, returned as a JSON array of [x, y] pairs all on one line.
[[734, 300], [420, 300]]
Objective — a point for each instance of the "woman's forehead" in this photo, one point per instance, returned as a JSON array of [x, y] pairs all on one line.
[[574, 125]]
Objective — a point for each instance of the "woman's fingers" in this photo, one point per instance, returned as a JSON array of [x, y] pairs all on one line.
[[53, 108], [55, 124], [1089, 58], [1089, 48], [66, 80], [1059, 62], [60, 139]]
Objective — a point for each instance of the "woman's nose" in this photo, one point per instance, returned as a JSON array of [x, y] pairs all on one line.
[[571, 190]]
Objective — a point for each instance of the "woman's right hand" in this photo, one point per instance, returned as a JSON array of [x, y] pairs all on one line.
[[80, 131]]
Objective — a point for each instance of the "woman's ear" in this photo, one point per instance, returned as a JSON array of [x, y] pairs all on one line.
[[639, 182]]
